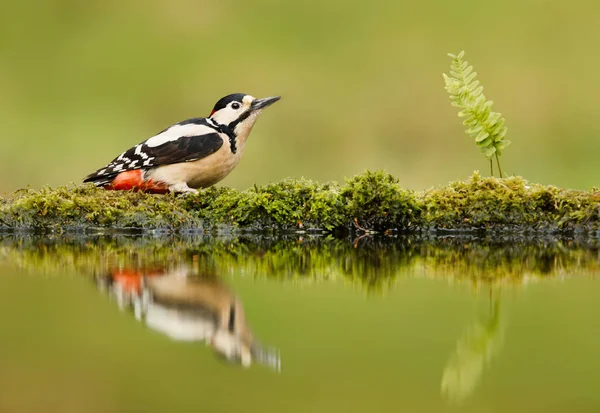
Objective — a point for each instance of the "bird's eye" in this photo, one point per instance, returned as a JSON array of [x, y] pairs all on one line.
[[235, 105]]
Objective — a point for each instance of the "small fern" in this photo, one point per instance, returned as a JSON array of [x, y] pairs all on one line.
[[485, 126]]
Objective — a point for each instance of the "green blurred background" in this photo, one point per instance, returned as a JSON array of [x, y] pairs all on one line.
[[361, 84]]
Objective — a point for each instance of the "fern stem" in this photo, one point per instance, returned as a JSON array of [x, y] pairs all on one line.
[[498, 162], [492, 167]]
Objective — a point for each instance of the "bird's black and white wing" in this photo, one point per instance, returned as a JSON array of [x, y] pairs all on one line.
[[183, 142]]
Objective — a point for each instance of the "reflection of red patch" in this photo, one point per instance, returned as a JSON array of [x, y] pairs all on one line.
[[134, 180], [131, 280]]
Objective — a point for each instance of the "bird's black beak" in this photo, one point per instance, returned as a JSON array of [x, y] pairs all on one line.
[[263, 103]]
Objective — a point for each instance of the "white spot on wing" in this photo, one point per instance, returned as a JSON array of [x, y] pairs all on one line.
[[139, 152], [177, 131]]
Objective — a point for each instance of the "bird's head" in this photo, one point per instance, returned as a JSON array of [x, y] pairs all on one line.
[[239, 111]]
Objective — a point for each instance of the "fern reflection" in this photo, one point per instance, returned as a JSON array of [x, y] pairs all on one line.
[[475, 350]]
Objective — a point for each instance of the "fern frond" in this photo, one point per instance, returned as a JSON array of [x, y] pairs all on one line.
[[486, 127]]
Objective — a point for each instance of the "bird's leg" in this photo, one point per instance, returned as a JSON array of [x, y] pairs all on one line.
[[182, 187]]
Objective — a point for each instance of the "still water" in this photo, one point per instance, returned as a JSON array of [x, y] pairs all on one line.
[[298, 324]]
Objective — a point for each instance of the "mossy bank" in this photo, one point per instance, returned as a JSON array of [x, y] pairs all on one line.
[[372, 201]]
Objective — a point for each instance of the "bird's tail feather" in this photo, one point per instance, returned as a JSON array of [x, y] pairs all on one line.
[[99, 180]]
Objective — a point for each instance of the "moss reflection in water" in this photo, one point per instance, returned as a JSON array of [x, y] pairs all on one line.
[[372, 262]]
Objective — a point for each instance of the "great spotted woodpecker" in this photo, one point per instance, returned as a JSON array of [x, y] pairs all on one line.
[[195, 153]]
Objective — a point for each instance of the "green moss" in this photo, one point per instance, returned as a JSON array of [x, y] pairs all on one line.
[[283, 205], [377, 201], [372, 201], [510, 203]]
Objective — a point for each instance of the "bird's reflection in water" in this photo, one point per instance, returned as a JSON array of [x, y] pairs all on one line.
[[188, 306]]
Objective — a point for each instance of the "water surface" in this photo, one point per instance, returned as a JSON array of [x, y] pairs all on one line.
[[154, 324]]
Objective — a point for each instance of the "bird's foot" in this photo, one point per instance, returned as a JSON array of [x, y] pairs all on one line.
[[182, 188]]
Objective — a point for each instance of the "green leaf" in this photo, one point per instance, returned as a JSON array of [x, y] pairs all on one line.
[[475, 129], [481, 136], [502, 133], [485, 113], [502, 144], [486, 142], [498, 128], [493, 119], [489, 152], [473, 85], [469, 78]]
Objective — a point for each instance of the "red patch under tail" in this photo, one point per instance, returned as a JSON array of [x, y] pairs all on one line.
[[134, 180]]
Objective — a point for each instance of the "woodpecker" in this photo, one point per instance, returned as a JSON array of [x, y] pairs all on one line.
[[194, 153]]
